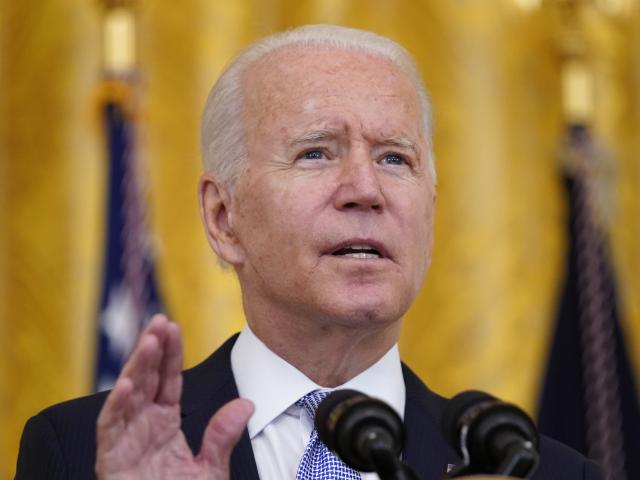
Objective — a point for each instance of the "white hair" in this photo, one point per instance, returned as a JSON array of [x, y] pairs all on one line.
[[223, 136]]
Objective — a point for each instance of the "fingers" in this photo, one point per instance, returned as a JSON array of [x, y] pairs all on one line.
[[143, 366], [223, 432], [152, 372], [147, 351], [170, 388], [111, 421]]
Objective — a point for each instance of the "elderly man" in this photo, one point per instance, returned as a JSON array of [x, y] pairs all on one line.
[[319, 190]]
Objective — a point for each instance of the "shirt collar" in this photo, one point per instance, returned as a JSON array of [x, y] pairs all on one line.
[[273, 385]]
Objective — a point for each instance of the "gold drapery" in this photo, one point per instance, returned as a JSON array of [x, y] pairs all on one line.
[[630, 213], [484, 315], [51, 192], [614, 48], [483, 318]]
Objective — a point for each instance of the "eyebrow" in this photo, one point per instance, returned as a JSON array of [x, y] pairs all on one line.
[[401, 142], [314, 136]]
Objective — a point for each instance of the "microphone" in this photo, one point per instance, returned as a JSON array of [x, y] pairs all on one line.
[[366, 433], [492, 436]]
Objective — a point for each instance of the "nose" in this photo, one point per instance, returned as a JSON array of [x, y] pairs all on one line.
[[359, 185]]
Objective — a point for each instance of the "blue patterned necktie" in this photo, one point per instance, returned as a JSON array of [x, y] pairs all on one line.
[[318, 462]]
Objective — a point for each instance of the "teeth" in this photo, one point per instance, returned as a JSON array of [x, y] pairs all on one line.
[[360, 247], [361, 255], [358, 250]]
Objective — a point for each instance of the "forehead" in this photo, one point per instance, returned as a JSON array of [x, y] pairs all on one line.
[[300, 82]]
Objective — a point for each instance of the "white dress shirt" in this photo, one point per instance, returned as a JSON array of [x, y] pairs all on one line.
[[280, 430]]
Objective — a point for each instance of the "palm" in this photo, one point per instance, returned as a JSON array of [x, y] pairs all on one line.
[[139, 434], [153, 447]]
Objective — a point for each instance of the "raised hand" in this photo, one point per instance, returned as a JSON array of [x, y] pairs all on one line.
[[138, 431]]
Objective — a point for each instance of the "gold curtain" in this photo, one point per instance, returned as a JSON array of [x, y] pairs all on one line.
[[482, 320], [630, 252], [484, 315], [51, 193], [615, 44]]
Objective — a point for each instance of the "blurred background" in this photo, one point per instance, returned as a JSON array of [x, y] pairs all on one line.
[[534, 290]]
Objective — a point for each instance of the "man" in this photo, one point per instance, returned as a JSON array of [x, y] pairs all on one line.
[[319, 190]]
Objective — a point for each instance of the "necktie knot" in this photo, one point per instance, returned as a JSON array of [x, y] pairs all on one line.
[[311, 401]]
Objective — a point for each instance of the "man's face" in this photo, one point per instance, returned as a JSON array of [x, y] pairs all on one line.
[[333, 215]]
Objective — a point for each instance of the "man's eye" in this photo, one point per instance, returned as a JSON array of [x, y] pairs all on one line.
[[313, 155], [394, 159]]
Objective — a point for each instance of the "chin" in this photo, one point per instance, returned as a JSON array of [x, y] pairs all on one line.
[[374, 312]]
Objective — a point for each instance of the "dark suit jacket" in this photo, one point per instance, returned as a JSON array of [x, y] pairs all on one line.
[[59, 442]]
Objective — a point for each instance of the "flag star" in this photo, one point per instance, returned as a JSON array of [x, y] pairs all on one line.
[[118, 321]]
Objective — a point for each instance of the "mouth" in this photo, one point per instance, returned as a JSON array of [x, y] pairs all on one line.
[[361, 250]]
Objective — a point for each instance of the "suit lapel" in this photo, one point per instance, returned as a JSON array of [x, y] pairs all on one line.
[[426, 451], [207, 387]]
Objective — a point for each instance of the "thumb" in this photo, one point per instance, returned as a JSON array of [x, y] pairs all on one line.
[[223, 432]]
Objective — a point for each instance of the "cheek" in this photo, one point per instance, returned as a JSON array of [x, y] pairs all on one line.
[[299, 224], [276, 219], [417, 226], [252, 218], [416, 213]]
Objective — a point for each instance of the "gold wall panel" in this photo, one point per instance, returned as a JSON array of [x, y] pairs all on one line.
[[50, 208], [631, 197]]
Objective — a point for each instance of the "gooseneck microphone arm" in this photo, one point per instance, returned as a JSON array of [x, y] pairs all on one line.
[[382, 452], [366, 433], [389, 467]]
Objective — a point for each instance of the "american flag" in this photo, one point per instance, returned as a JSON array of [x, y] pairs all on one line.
[[129, 293]]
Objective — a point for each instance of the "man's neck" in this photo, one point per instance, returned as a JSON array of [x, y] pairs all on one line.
[[329, 354]]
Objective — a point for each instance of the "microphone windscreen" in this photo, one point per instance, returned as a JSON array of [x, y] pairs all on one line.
[[456, 408], [492, 436], [329, 412], [358, 428]]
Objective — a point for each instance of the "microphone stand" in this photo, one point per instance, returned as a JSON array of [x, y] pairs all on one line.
[[387, 464]]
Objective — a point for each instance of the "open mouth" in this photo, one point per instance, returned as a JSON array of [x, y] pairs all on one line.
[[361, 251]]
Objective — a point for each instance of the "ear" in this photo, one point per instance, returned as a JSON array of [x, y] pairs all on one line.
[[217, 217]]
